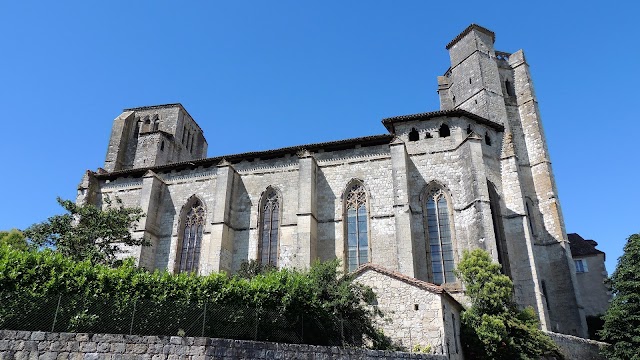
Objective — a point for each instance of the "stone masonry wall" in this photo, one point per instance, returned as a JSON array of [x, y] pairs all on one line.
[[45, 345], [573, 347], [415, 316]]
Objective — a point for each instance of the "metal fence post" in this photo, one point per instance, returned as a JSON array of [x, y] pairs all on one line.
[[255, 336], [204, 318], [133, 316], [342, 330], [55, 317], [410, 343]]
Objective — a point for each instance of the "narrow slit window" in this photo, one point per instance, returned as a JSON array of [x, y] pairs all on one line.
[[532, 228], [509, 88], [487, 139]]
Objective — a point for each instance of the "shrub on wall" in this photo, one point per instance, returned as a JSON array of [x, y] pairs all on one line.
[[318, 306]]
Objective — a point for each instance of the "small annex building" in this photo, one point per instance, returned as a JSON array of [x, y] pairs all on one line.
[[416, 313], [591, 274]]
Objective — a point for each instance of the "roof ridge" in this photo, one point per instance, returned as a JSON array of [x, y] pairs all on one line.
[[402, 277]]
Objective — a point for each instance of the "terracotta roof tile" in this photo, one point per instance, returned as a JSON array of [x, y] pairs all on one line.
[[396, 275], [582, 247]]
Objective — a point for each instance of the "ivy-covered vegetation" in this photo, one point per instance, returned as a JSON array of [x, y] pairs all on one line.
[[319, 305], [493, 327]]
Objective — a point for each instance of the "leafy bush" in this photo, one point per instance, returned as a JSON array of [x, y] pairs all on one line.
[[319, 306]]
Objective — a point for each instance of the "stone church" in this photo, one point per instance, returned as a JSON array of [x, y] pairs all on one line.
[[400, 206]]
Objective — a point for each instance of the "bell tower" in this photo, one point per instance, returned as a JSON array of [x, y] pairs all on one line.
[[154, 135]]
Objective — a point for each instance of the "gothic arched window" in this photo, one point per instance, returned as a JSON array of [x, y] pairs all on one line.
[[192, 230], [356, 226], [269, 227], [441, 254]]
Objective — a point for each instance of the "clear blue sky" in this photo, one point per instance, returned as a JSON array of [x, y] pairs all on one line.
[[259, 75]]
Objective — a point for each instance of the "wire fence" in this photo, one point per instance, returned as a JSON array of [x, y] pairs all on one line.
[[91, 314]]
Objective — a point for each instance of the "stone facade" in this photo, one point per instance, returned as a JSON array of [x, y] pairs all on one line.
[[591, 274], [415, 312], [484, 153]]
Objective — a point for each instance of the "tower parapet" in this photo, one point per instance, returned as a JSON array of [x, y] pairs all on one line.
[[154, 135]]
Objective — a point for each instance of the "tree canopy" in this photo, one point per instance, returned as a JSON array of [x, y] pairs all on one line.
[[14, 238], [87, 232], [622, 319], [493, 327]]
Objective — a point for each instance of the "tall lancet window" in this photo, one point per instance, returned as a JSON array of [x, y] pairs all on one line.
[[357, 227], [192, 238], [439, 237], [270, 226]]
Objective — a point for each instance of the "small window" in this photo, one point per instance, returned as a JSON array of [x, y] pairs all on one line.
[[487, 139], [532, 228], [509, 87], [544, 293], [184, 132], [413, 135], [162, 146], [469, 129], [416, 307], [581, 266], [455, 331], [444, 131], [156, 125], [428, 136]]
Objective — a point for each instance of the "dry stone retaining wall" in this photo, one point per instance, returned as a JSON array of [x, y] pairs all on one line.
[[50, 346]]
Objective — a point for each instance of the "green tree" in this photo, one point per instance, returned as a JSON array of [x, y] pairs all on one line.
[[493, 327], [14, 238], [86, 232], [622, 319]]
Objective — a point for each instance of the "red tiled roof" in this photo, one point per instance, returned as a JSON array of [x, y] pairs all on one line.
[[582, 247], [404, 278]]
